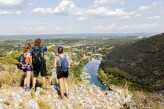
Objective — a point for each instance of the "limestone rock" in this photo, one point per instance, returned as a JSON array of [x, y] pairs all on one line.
[[32, 104]]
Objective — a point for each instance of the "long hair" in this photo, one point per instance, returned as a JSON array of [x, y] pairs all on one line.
[[37, 42], [26, 47]]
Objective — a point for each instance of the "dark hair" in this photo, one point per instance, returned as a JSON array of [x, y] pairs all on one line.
[[26, 47], [37, 42], [60, 50]]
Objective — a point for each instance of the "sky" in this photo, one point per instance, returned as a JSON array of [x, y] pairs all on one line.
[[27, 17]]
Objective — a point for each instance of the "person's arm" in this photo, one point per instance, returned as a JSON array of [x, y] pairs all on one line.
[[29, 62], [31, 58], [44, 48], [49, 47]]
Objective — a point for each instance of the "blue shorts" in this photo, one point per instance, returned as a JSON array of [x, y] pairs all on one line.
[[28, 68]]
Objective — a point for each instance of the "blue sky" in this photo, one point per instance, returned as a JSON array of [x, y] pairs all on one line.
[[80, 16]]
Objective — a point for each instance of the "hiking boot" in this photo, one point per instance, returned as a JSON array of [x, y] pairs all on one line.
[[66, 95]]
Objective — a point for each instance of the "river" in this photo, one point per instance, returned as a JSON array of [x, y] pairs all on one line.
[[92, 69]]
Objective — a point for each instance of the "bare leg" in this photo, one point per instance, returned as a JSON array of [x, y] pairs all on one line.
[[34, 82], [25, 80], [28, 78], [66, 86], [44, 82], [61, 87]]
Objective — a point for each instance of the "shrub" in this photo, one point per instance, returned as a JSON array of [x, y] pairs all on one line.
[[42, 104]]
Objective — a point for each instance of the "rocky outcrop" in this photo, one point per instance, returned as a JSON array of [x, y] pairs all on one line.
[[81, 97], [84, 96]]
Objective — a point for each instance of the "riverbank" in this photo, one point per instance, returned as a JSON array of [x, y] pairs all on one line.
[[90, 71], [142, 99]]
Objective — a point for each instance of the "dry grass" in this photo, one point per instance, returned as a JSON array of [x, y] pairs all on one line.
[[32, 94], [21, 104], [10, 76], [147, 100], [8, 102], [42, 104], [126, 89], [42, 92], [155, 105]]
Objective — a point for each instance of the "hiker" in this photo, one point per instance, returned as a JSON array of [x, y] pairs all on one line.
[[38, 62], [25, 65], [61, 63]]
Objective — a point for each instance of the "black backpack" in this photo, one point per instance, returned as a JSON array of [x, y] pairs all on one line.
[[37, 57], [21, 64]]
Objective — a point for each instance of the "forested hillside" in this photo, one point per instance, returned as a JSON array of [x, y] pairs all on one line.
[[141, 62]]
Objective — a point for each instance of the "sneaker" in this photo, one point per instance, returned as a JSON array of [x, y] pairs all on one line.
[[67, 95]]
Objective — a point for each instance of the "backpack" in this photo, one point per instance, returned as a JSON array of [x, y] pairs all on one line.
[[21, 64], [63, 63], [37, 57]]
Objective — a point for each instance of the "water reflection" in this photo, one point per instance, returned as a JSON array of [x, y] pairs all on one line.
[[92, 68]]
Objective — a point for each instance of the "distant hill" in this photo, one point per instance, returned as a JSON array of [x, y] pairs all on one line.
[[141, 61], [82, 35]]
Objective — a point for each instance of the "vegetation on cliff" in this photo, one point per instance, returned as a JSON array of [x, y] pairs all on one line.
[[141, 62]]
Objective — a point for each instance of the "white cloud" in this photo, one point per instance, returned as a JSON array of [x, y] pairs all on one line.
[[146, 7], [13, 7], [68, 7], [42, 11], [99, 12], [97, 2], [10, 12], [154, 17], [14, 3], [65, 7], [10, 2], [103, 11]]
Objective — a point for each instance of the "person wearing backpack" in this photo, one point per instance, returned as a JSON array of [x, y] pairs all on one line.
[[24, 64], [38, 62], [61, 63]]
